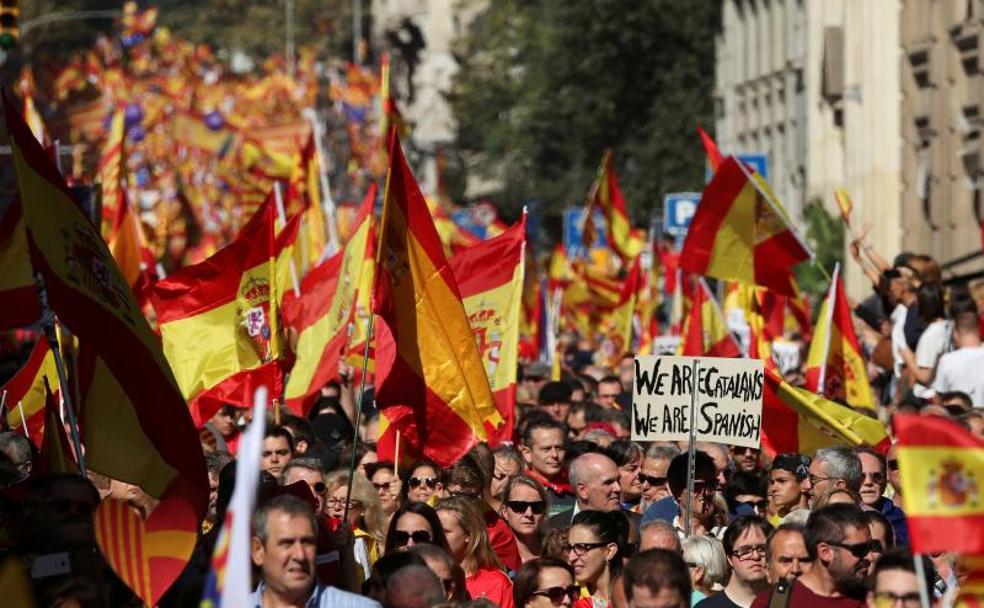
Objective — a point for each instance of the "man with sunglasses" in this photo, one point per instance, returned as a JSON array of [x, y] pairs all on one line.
[[875, 479], [307, 470], [838, 541], [745, 543], [673, 508]]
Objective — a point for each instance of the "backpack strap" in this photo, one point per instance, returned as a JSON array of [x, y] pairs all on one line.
[[781, 594]]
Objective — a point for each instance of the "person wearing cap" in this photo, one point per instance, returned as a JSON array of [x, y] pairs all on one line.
[[786, 491], [555, 399]]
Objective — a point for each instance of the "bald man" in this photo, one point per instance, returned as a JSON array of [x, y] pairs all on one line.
[[595, 480]]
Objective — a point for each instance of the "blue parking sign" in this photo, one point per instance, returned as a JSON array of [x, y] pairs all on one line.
[[678, 210], [755, 160]]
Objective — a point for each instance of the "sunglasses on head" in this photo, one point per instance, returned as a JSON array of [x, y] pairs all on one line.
[[402, 537], [556, 595], [520, 506], [430, 482], [653, 481], [858, 550]]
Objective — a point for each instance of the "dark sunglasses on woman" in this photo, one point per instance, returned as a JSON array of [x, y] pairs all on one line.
[[520, 506], [556, 595], [430, 482], [402, 537]]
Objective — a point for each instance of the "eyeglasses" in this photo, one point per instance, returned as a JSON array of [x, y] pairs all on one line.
[[692, 564], [893, 465], [874, 477], [520, 506], [340, 502], [858, 550], [814, 479], [580, 549], [383, 487], [653, 481], [887, 599], [743, 451], [430, 482], [402, 537], [556, 595], [745, 552], [877, 546]]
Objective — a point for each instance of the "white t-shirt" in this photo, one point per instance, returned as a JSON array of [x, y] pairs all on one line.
[[898, 337], [933, 342], [962, 370]]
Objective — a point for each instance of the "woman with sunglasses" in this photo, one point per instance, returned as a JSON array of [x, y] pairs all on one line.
[[468, 542], [386, 484], [364, 514], [414, 524], [592, 550], [545, 582], [524, 507], [422, 483]]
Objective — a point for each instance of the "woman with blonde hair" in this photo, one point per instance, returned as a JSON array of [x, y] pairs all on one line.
[[365, 515], [707, 564], [468, 541]]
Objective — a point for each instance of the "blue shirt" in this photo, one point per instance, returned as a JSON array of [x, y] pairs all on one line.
[[322, 597]]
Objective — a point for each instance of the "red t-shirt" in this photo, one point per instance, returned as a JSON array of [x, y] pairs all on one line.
[[491, 584], [802, 597], [502, 540]]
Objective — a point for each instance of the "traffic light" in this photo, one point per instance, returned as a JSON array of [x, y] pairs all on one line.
[[9, 27]]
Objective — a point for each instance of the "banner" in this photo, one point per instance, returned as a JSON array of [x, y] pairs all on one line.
[[729, 400]]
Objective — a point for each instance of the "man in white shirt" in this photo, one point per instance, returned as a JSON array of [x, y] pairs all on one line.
[[963, 369]]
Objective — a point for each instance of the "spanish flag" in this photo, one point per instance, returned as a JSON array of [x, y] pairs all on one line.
[[18, 292], [942, 470], [430, 379], [218, 321], [88, 293], [111, 167], [25, 392], [706, 333], [834, 365], [742, 232], [843, 200], [615, 322], [57, 455], [606, 196], [322, 344], [490, 278], [797, 420]]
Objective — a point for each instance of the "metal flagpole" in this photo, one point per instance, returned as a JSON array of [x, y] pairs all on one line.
[[692, 448], [20, 408], [358, 416], [921, 580], [48, 324]]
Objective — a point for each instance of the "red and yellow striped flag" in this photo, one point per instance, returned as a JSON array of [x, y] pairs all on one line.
[[218, 321], [942, 469], [18, 292], [797, 420], [430, 379], [322, 343], [88, 293], [706, 333], [834, 365], [490, 278], [57, 455], [844, 204], [111, 167], [25, 391], [742, 232], [606, 197]]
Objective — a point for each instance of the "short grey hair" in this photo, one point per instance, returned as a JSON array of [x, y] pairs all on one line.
[[796, 517], [842, 463], [287, 504], [659, 526], [16, 446], [663, 451], [708, 552], [311, 464]]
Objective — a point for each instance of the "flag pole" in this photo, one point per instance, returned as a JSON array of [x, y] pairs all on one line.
[[48, 324], [282, 215], [396, 456], [358, 416], [3, 405], [692, 448], [921, 580], [20, 408]]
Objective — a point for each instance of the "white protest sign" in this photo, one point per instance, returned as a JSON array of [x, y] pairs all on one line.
[[729, 400]]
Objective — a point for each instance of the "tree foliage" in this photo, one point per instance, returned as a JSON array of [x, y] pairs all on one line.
[[825, 235], [544, 87]]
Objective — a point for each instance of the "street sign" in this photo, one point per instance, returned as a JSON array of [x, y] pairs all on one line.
[[756, 160], [678, 210]]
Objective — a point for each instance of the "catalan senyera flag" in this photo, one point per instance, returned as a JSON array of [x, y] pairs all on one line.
[[844, 204], [706, 332], [57, 455], [26, 392], [606, 196], [111, 167], [430, 380], [218, 320], [714, 158], [834, 365], [742, 232], [490, 279], [797, 420], [942, 469], [88, 293], [321, 345], [19, 294]]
